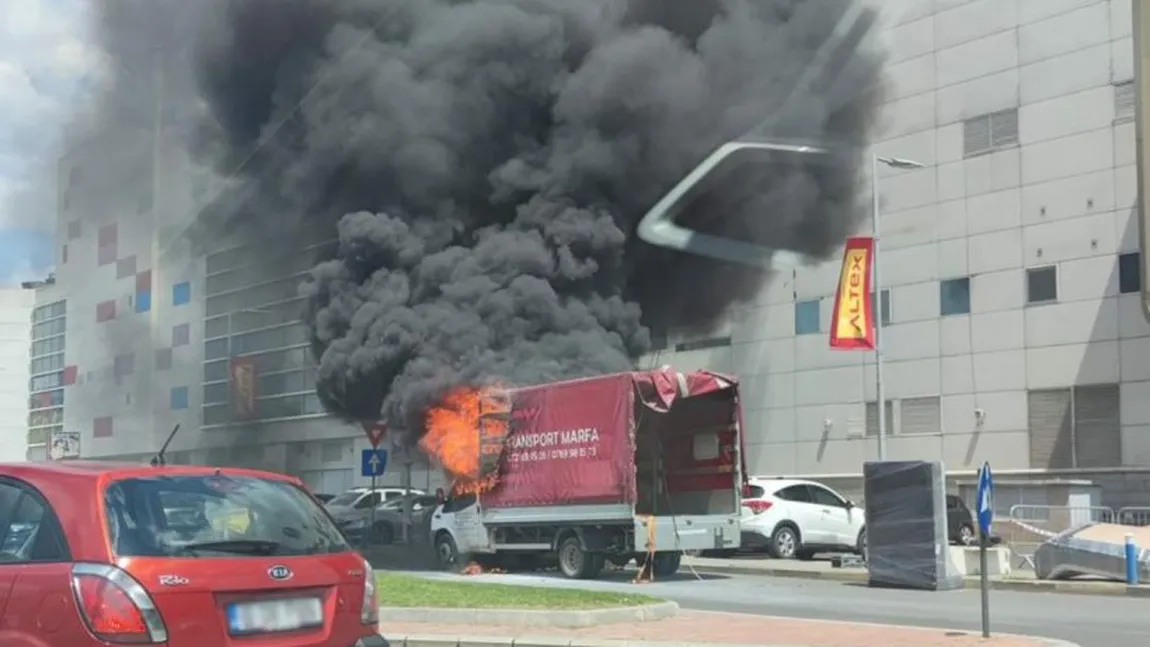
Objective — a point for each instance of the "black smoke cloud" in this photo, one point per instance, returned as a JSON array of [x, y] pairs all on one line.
[[484, 165]]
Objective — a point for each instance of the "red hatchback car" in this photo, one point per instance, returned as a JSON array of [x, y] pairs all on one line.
[[93, 554]]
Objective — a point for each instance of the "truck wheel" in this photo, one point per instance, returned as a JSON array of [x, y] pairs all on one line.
[[446, 554], [576, 563], [666, 564]]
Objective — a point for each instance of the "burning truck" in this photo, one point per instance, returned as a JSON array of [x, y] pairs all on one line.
[[640, 465]]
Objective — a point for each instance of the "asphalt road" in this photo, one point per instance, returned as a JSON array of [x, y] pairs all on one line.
[[1090, 621]]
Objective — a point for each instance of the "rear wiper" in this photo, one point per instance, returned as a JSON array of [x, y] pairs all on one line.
[[238, 546]]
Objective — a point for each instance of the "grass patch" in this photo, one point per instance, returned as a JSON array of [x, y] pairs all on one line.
[[412, 591]]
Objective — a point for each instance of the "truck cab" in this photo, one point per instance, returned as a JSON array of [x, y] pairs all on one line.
[[458, 530]]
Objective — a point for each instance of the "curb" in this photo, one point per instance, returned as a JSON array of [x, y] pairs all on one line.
[[1113, 589], [558, 619], [440, 640]]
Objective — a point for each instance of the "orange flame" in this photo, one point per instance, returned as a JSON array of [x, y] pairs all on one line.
[[466, 433]]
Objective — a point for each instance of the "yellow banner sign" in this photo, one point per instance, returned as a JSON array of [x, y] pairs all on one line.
[[852, 322]]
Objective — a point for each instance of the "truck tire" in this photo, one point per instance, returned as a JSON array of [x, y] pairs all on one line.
[[666, 564], [576, 563], [446, 553]]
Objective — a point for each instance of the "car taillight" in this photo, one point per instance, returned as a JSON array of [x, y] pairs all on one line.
[[115, 607], [758, 507], [369, 614]]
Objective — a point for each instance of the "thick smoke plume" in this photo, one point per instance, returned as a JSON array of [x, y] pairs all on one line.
[[484, 165]]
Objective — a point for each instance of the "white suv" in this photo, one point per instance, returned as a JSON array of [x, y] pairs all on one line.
[[792, 518]]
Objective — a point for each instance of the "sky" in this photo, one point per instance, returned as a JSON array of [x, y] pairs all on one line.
[[45, 67]]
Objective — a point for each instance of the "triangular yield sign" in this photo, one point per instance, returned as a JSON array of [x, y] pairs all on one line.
[[375, 432]]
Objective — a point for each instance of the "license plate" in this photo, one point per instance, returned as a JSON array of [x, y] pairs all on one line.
[[274, 615]]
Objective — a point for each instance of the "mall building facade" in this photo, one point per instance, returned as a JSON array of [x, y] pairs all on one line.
[[1011, 314]]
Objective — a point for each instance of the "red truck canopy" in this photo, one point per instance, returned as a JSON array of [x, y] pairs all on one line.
[[574, 442]]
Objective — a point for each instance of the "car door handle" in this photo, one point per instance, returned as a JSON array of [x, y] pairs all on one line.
[[438, 516], [825, 511]]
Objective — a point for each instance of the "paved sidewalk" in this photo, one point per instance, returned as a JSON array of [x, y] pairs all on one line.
[[822, 570], [739, 629]]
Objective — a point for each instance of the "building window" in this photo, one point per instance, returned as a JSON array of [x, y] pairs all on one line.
[[124, 365], [872, 418], [954, 297], [144, 291], [74, 229], [52, 310], [1130, 273], [181, 293], [884, 309], [990, 132], [807, 317], [702, 344], [126, 267], [658, 336], [181, 335], [163, 359], [102, 427], [106, 245], [179, 398], [105, 311], [1124, 101], [64, 254], [46, 399], [1042, 284]]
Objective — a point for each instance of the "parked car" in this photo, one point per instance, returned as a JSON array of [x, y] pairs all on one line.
[[352, 512], [390, 517], [323, 498], [362, 498], [180, 556], [793, 518], [959, 522]]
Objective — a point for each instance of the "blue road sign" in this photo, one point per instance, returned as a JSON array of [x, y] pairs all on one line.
[[374, 462], [985, 499]]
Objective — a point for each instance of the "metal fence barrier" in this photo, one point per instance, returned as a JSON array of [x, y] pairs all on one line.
[[1134, 516], [1028, 526]]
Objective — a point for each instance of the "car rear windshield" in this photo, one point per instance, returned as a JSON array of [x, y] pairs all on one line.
[[216, 516]]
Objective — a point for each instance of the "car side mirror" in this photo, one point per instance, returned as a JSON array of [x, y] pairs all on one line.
[[849, 504], [440, 496]]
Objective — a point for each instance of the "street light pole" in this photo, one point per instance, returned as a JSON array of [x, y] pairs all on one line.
[[880, 389]]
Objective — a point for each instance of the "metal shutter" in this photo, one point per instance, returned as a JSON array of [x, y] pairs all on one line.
[[1097, 429], [976, 135], [1124, 100], [920, 416], [1004, 128], [872, 418], [1048, 413]]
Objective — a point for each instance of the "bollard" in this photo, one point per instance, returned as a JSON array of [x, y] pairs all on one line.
[[1132, 565]]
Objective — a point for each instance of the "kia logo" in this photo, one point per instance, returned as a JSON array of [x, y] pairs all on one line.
[[279, 572]]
